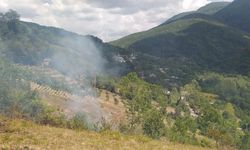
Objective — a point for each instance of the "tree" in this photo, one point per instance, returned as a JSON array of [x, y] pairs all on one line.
[[9, 16], [153, 125], [1, 16], [210, 117], [229, 112]]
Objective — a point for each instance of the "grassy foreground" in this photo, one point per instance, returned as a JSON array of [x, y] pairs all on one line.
[[20, 134]]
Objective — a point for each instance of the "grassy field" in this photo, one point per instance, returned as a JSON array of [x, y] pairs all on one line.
[[20, 134]]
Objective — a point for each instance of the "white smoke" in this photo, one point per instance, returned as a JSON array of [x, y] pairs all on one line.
[[81, 60]]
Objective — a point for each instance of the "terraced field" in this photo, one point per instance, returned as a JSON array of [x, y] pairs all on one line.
[[107, 105]]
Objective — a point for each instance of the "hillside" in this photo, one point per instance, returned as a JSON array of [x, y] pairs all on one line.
[[236, 14], [208, 9], [175, 51], [24, 134], [70, 53], [213, 8], [186, 46]]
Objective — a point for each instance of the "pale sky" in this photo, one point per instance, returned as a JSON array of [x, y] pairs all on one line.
[[106, 19]]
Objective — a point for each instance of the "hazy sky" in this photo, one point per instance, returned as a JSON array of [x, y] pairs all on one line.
[[107, 19]]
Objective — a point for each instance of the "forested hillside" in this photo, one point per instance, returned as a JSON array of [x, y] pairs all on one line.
[[178, 49], [236, 15], [32, 44]]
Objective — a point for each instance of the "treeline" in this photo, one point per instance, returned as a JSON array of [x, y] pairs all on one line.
[[234, 89], [10, 15]]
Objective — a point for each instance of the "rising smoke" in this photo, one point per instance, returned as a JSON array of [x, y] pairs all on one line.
[[82, 61], [79, 58]]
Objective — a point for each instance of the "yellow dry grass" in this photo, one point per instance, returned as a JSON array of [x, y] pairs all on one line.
[[112, 104], [20, 134]]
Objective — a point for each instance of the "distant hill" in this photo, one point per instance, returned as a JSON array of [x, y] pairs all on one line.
[[208, 9], [213, 8], [204, 11], [175, 51], [236, 14]]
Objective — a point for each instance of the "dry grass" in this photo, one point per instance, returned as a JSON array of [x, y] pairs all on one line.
[[19, 134], [113, 106]]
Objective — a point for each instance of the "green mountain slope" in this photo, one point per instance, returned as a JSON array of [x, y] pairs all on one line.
[[174, 52], [173, 27], [236, 14], [208, 9], [188, 46], [213, 8], [203, 12]]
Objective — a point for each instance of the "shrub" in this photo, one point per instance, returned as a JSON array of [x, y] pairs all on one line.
[[153, 125]]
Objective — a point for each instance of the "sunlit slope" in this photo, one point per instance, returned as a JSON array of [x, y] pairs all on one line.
[[22, 134]]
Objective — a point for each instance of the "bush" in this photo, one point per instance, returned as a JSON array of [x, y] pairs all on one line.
[[246, 141], [79, 122], [153, 125]]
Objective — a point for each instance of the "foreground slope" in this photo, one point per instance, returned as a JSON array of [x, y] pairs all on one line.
[[22, 134]]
